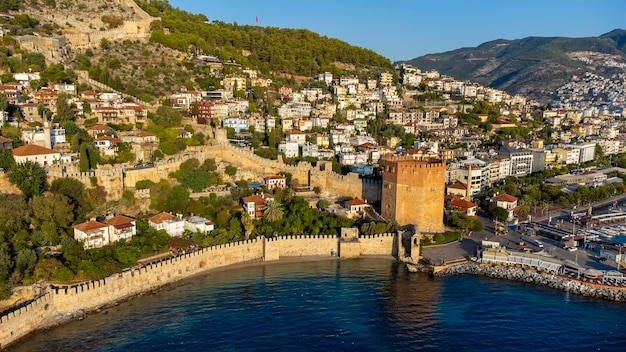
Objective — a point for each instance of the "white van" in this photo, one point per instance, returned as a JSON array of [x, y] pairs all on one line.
[[539, 244]]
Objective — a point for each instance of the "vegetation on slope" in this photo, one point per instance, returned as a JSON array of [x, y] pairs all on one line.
[[293, 51]]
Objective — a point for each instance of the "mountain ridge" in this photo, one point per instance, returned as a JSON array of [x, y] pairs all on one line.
[[531, 66]]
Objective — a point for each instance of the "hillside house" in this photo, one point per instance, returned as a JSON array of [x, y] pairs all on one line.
[[255, 205], [356, 205], [121, 228], [199, 224], [277, 181], [40, 155], [174, 226], [93, 234]]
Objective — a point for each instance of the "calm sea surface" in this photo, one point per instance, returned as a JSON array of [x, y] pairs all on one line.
[[348, 305]]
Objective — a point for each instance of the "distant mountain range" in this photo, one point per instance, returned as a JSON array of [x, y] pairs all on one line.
[[535, 66]]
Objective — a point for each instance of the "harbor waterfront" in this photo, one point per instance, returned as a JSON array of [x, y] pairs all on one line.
[[60, 304], [367, 304]]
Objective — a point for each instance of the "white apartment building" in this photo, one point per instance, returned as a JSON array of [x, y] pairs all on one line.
[[290, 149], [295, 109], [587, 151]]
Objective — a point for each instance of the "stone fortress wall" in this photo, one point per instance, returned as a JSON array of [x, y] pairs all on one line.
[[315, 176], [116, 178], [63, 302]]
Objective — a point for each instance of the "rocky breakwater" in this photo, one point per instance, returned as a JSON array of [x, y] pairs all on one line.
[[516, 273]]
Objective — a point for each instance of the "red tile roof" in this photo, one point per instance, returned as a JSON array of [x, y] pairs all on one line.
[[160, 217], [355, 202], [257, 198], [504, 198], [451, 197], [458, 185], [99, 128], [120, 220], [89, 225], [32, 149], [463, 204]]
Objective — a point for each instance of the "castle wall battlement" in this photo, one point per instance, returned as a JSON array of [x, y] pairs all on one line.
[[62, 301]]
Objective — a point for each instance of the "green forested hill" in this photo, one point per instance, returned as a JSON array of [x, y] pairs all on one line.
[[294, 51]]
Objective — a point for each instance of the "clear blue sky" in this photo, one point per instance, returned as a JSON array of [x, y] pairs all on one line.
[[405, 29]]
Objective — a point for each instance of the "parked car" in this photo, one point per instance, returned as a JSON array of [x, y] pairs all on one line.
[[571, 249]]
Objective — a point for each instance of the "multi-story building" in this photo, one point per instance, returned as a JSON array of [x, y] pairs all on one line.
[[290, 149], [325, 77], [275, 181], [521, 161], [386, 79], [121, 228], [474, 173], [93, 234], [295, 109], [296, 136], [238, 123], [173, 225], [234, 82], [196, 223], [309, 150], [255, 205], [587, 151]]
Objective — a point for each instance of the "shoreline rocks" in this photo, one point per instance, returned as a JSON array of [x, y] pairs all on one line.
[[515, 273]]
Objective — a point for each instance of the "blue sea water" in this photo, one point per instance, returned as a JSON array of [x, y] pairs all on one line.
[[344, 305]]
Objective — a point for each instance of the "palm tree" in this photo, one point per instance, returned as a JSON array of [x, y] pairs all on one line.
[[247, 223], [273, 211]]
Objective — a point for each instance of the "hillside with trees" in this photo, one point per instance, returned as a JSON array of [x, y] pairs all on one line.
[[291, 51], [162, 65]]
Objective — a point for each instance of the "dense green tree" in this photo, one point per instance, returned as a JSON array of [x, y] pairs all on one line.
[[323, 204], [6, 266], [4, 102], [29, 177], [463, 222], [6, 159], [88, 157], [55, 74], [125, 153], [53, 214], [230, 170], [75, 191], [166, 116], [500, 214], [25, 261], [64, 110], [178, 200], [14, 215]]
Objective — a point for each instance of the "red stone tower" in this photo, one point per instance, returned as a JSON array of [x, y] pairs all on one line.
[[413, 191]]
